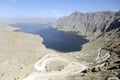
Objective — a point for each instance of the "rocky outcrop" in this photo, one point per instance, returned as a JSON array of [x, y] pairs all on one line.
[[91, 24]]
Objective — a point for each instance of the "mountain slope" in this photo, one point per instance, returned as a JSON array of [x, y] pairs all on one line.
[[91, 24]]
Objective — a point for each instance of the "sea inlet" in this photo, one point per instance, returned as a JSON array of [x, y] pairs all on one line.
[[54, 39]]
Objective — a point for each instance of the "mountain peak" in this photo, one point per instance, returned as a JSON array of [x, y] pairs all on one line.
[[76, 13]]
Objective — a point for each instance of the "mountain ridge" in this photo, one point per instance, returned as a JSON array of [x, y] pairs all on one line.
[[91, 24]]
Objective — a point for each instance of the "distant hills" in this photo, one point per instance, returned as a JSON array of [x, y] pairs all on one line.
[[28, 20]]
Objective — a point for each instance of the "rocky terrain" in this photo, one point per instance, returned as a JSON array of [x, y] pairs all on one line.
[[102, 29], [18, 51], [24, 57], [91, 24]]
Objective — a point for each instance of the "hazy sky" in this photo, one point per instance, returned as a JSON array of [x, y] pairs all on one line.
[[53, 8]]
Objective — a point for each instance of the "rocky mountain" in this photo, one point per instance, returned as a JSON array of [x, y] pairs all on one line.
[[103, 31], [91, 24], [24, 57]]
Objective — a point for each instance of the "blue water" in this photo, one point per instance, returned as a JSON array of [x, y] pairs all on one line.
[[54, 39]]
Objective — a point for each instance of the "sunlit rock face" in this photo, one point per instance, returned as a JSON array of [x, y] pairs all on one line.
[[91, 24], [52, 66]]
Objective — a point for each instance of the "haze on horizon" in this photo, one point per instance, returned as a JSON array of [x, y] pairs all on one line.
[[13, 9]]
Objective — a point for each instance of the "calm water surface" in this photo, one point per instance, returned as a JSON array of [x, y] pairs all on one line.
[[54, 39]]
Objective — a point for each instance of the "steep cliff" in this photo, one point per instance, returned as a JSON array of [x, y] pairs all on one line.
[[91, 24]]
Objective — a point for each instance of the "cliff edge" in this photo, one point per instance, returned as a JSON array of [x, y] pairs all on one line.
[[92, 24]]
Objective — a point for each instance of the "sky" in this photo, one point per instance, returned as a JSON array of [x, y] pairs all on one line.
[[53, 8]]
